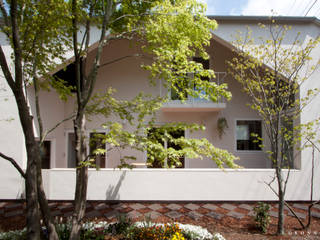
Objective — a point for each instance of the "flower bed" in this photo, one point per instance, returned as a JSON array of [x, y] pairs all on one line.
[[126, 230]]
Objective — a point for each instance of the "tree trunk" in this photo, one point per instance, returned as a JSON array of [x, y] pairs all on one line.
[[81, 177], [280, 230], [33, 156], [44, 207], [33, 215]]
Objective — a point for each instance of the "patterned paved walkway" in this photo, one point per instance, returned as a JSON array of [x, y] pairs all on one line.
[[156, 211]]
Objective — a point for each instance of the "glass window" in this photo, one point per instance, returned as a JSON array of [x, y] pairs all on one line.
[[244, 131]]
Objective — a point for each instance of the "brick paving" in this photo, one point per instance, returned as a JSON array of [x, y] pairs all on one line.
[[157, 210]]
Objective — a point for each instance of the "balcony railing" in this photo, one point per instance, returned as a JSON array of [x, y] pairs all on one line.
[[191, 103]]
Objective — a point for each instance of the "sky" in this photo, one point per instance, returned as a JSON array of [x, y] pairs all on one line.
[[309, 8]]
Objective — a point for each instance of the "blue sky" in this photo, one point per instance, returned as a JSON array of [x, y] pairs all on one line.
[[264, 7]]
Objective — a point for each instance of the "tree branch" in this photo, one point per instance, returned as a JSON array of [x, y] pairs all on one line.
[[55, 126], [119, 59], [129, 15], [14, 163], [16, 43], [75, 49], [5, 69], [93, 72]]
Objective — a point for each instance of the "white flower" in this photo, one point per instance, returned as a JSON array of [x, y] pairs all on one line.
[[218, 236], [197, 232], [201, 233]]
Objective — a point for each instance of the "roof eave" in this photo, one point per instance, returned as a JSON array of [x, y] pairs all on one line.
[[263, 19]]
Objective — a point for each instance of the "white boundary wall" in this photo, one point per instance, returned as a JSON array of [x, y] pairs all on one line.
[[178, 185], [171, 185]]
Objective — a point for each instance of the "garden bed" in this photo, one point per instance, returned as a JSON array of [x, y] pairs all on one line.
[[228, 227]]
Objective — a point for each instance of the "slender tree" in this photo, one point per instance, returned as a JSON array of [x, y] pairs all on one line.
[[34, 30], [272, 73], [172, 32]]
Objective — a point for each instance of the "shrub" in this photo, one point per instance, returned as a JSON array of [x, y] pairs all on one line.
[[262, 217], [63, 230], [156, 232], [14, 235], [121, 226]]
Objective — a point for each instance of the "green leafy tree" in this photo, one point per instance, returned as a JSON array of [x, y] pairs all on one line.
[[172, 32], [39, 32], [36, 32], [271, 73]]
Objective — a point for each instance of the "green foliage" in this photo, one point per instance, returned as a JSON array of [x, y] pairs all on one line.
[[262, 217], [176, 32], [271, 73], [172, 32], [14, 235], [60, 86], [63, 229], [127, 231], [138, 115], [91, 234], [122, 226], [44, 35], [168, 231]]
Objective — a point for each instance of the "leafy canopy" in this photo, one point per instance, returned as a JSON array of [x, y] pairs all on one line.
[[171, 33], [272, 72]]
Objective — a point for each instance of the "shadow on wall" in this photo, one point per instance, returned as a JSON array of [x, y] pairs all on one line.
[[112, 192]]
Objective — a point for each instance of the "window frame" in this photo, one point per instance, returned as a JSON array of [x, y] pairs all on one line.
[[235, 135], [87, 132]]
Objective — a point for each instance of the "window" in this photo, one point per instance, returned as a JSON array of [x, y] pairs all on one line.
[[158, 160], [244, 131], [95, 142], [45, 153]]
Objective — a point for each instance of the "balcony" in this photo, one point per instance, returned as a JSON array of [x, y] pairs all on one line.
[[192, 104]]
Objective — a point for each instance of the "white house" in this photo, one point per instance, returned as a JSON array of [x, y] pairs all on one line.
[[198, 180]]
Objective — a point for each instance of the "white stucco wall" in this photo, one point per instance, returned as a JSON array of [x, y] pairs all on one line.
[[128, 79], [157, 184], [11, 136], [176, 185]]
